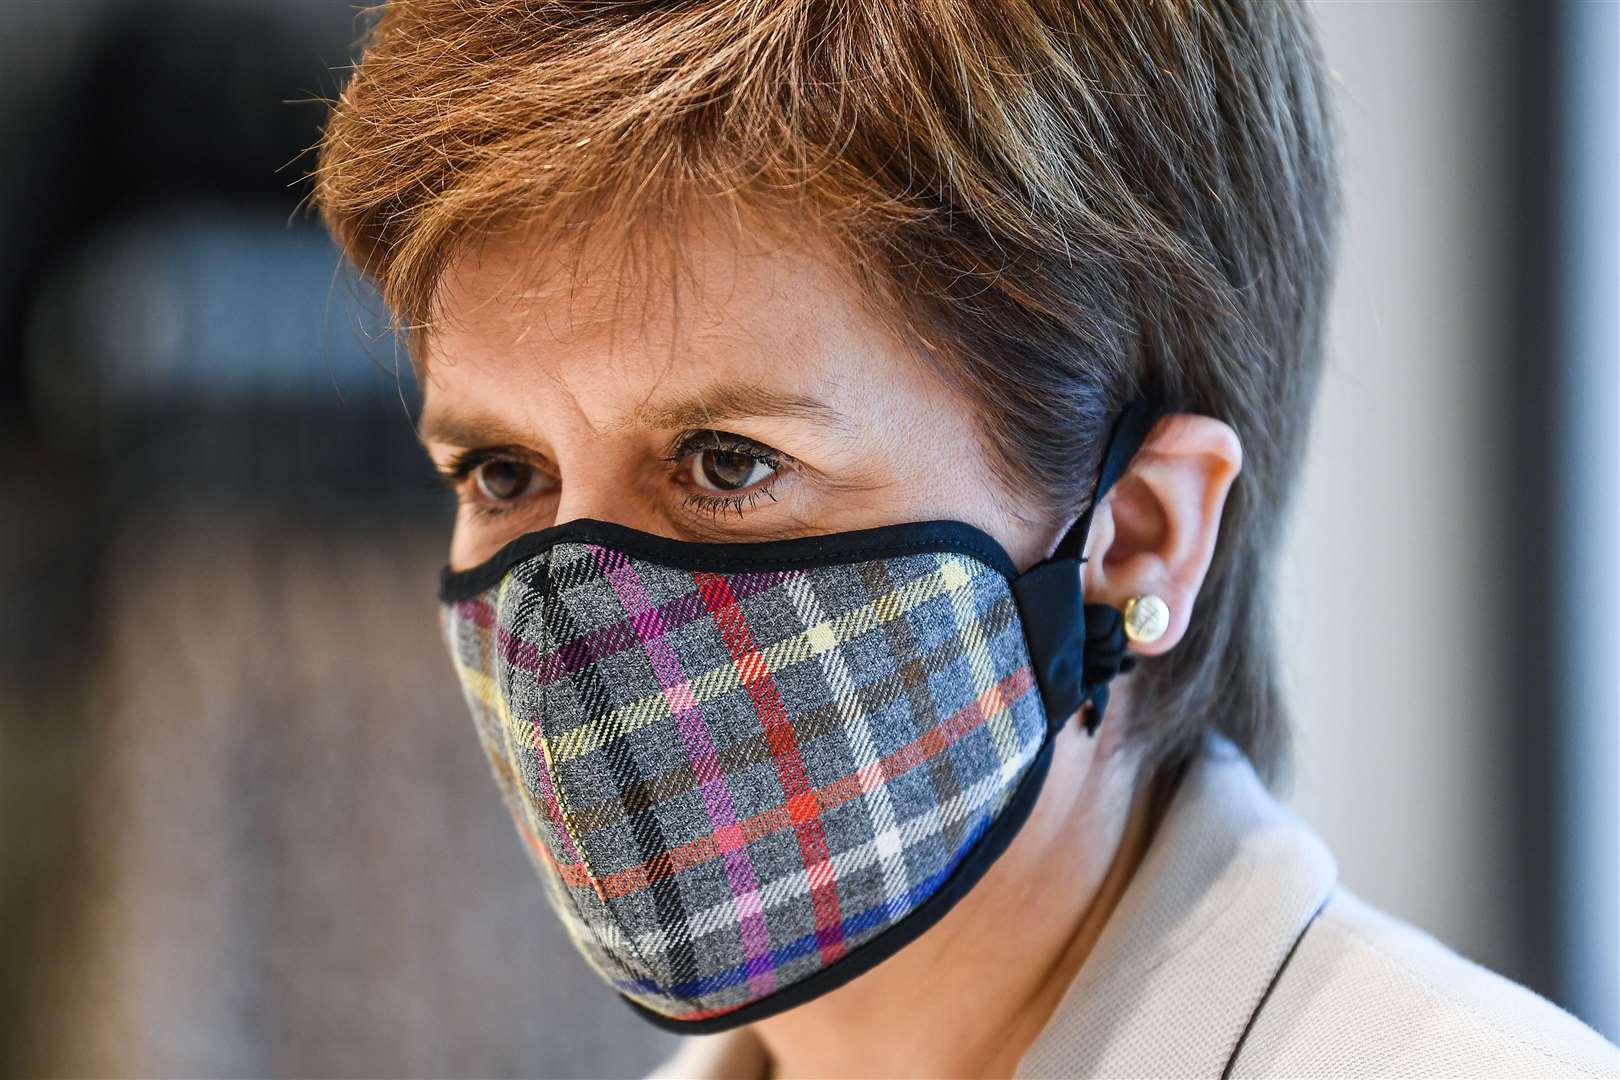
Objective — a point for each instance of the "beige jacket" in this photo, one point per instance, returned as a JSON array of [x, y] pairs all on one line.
[[1234, 951]]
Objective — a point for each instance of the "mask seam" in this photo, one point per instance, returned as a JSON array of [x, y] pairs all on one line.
[[573, 834], [567, 813], [528, 803]]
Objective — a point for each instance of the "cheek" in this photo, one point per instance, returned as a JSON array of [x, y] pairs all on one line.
[[467, 548], [473, 539], [950, 475]]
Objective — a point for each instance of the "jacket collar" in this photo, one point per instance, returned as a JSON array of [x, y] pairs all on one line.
[[1225, 889]]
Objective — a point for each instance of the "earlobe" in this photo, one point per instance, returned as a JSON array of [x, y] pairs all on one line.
[[1155, 532]]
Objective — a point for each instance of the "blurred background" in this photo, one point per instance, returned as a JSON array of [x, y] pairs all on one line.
[[245, 827]]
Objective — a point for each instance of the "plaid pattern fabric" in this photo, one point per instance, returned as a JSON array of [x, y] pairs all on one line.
[[728, 781]]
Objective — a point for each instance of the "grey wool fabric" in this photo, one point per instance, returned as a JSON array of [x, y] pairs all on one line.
[[730, 781]]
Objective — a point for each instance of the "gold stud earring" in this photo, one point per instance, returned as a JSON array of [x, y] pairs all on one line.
[[1146, 618]]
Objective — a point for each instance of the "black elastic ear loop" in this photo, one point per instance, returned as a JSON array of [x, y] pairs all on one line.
[[1130, 430], [1075, 647], [1106, 646]]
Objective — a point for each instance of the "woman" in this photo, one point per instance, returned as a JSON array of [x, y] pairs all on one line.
[[873, 425]]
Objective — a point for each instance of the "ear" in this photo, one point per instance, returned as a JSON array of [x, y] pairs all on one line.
[[1155, 530]]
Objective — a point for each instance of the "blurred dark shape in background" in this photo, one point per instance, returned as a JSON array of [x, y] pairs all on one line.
[[245, 826]]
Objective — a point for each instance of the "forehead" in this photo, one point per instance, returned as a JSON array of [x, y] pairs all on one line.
[[735, 300]]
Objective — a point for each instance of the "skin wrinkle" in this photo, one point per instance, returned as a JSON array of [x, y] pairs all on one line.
[[965, 997], [723, 402]]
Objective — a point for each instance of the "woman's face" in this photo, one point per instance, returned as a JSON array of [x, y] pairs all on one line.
[[765, 406]]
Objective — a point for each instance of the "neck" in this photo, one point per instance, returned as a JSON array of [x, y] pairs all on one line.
[[969, 995]]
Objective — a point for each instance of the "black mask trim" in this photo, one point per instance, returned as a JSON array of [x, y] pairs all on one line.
[[1075, 649], [798, 553]]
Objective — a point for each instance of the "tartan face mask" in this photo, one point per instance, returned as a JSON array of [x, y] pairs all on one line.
[[748, 772]]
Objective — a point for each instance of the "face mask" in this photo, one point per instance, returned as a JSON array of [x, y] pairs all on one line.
[[746, 773]]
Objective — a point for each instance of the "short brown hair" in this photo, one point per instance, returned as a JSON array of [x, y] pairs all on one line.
[[1057, 203]]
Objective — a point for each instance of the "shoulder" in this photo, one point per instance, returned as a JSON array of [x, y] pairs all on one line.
[[1365, 994]]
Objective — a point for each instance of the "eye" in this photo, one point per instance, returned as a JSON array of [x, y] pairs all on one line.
[[493, 481], [716, 463], [726, 471], [503, 480]]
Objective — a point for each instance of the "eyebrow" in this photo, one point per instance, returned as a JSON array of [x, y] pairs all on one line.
[[466, 429], [728, 401], [731, 401]]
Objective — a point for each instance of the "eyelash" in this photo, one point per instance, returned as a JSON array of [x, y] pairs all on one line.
[[715, 505], [461, 466], [455, 474]]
